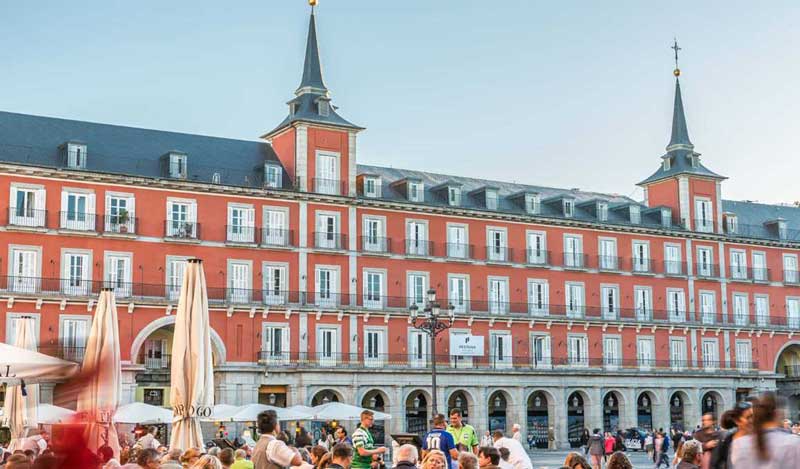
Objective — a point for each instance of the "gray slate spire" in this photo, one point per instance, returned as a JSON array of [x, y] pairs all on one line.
[[680, 134], [312, 68]]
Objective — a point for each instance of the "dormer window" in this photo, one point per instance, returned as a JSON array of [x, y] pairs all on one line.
[[75, 155], [491, 200], [177, 165], [783, 233], [216, 178], [372, 187], [532, 204], [415, 192], [666, 164], [454, 196], [569, 208], [324, 108], [695, 161], [292, 109], [602, 211], [732, 224], [666, 217], [273, 176], [636, 214]]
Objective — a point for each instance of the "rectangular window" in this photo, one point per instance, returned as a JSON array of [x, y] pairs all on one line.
[[73, 335], [533, 203], [327, 346], [500, 355], [708, 310], [677, 357], [24, 270], [77, 211], [273, 176], [458, 293], [454, 196], [573, 251], [415, 192], [417, 348], [705, 262], [676, 304], [574, 300], [738, 265], [790, 274], [577, 350], [644, 303], [374, 343], [77, 274], [27, 206], [327, 287], [457, 246], [569, 208], [541, 351], [275, 232], [641, 256], [241, 224], [374, 239], [538, 297], [760, 273], [602, 211], [373, 289], [327, 236], [175, 269], [491, 200], [703, 216], [635, 214], [275, 278], [275, 343], [181, 220], [371, 187], [327, 180], [793, 312], [645, 352], [417, 289], [118, 274], [744, 359], [741, 314], [608, 254], [417, 238], [672, 260], [498, 295], [710, 354], [761, 304], [177, 166], [239, 282], [76, 156], [609, 295], [120, 214], [733, 224], [537, 248], [612, 352], [497, 247]]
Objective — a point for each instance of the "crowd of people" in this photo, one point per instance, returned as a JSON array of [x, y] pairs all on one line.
[[752, 435]]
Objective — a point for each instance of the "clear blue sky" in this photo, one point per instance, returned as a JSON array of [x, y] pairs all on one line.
[[566, 94]]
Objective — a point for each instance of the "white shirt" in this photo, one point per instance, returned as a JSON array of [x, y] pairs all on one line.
[[517, 455], [783, 450], [148, 441], [486, 440], [517, 436]]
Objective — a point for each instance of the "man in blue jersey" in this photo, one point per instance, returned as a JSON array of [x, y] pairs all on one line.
[[440, 439]]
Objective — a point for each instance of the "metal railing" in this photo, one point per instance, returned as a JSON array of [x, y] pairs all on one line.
[[704, 270], [27, 217], [277, 237], [459, 250], [419, 247], [575, 260], [328, 240], [118, 224], [240, 234], [375, 244], [538, 257], [613, 263], [77, 221], [178, 229], [674, 267], [791, 277], [498, 253], [642, 265], [703, 225], [329, 186]]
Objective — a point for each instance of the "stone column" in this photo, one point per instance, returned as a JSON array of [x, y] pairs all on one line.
[[398, 422], [519, 412], [481, 419], [628, 416], [593, 410], [559, 418], [660, 407]]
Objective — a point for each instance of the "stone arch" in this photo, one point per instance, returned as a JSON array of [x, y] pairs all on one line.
[[646, 403], [368, 392], [317, 397], [217, 345], [718, 404], [614, 408], [499, 409], [539, 418], [578, 407], [417, 414], [779, 356], [377, 399], [680, 419], [469, 405]]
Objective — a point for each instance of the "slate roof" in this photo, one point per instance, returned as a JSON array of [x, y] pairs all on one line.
[[752, 216], [117, 149]]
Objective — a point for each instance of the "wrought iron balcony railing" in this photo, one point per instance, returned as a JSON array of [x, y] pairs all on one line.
[[27, 217]]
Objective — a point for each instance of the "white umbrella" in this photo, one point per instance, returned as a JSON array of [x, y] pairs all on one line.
[[192, 373], [249, 413], [100, 395], [19, 410], [302, 408], [139, 412], [20, 364], [339, 411], [221, 413], [49, 414]]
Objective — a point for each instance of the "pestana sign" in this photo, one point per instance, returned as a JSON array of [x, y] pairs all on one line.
[[466, 345]]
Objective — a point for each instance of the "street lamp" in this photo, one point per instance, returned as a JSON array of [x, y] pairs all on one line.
[[431, 323]]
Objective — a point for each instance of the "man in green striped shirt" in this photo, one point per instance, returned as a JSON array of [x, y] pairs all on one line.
[[363, 442], [464, 435]]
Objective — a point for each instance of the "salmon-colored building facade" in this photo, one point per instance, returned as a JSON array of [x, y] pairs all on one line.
[[593, 310]]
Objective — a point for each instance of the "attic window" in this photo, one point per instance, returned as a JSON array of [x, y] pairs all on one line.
[[216, 178], [415, 192], [532, 203], [273, 176], [666, 217], [324, 108], [454, 196], [372, 187], [292, 109], [76, 155], [635, 214], [667, 164], [491, 200], [732, 224], [177, 165], [695, 161], [602, 211], [569, 208]]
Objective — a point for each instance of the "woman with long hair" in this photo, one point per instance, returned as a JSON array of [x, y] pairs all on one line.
[[768, 447], [434, 459], [576, 460], [618, 460], [738, 422]]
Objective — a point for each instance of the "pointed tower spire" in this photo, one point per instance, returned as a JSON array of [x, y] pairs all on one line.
[[680, 133], [312, 67]]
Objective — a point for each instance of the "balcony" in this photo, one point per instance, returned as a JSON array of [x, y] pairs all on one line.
[[27, 217], [240, 234], [739, 273], [791, 277], [276, 237], [674, 268], [460, 251], [642, 265], [69, 353], [609, 263], [759, 274], [181, 230], [329, 186], [117, 224], [703, 225], [537, 257], [77, 221], [330, 240], [419, 247], [705, 270], [375, 244], [575, 260], [498, 254]]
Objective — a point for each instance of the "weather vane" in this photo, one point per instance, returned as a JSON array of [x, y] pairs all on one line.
[[677, 71]]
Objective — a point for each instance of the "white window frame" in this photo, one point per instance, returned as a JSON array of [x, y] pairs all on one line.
[[578, 360], [73, 351], [415, 245], [76, 155], [678, 360], [705, 269], [501, 348], [275, 235], [178, 166], [245, 231], [536, 257], [453, 196], [328, 358], [760, 273], [677, 311], [641, 256], [533, 204], [635, 214], [177, 228], [331, 298], [497, 244], [538, 301], [77, 220], [273, 176], [732, 224], [372, 301], [455, 248], [461, 305], [673, 266], [269, 297], [239, 293], [122, 288], [707, 306], [412, 299], [492, 199], [609, 301], [112, 223], [33, 210], [761, 309], [703, 224], [612, 351], [793, 311], [374, 240], [327, 183], [738, 268], [645, 360], [11, 328], [643, 302], [418, 348], [173, 289], [546, 361], [744, 347], [790, 276], [709, 352], [416, 191], [608, 253], [740, 305], [575, 306], [29, 279], [271, 354], [74, 286], [324, 238], [568, 206], [375, 358], [602, 211], [573, 257], [498, 303]]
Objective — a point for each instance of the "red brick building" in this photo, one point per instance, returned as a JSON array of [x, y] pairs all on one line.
[[595, 310]]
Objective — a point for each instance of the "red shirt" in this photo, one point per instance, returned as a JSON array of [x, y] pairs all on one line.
[[609, 444]]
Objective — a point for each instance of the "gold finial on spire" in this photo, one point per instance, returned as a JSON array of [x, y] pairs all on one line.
[[677, 71], [313, 3]]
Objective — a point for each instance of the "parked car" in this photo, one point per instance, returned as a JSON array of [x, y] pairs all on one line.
[[634, 439]]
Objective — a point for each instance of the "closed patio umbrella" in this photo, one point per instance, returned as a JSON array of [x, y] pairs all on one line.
[[100, 394], [19, 409], [192, 378]]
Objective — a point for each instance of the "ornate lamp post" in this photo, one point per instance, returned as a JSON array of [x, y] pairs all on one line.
[[432, 323]]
